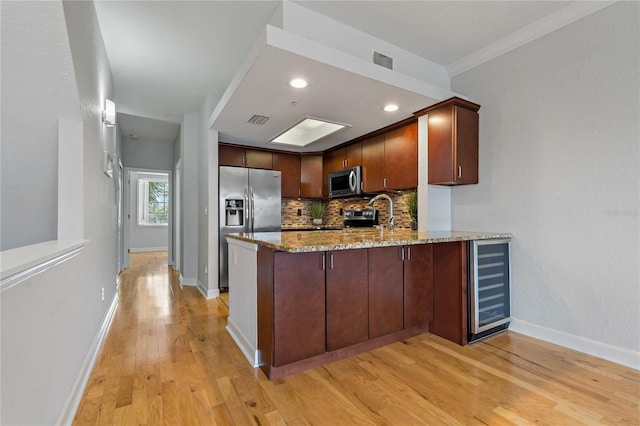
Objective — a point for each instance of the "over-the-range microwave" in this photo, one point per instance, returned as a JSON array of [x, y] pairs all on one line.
[[345, 183]]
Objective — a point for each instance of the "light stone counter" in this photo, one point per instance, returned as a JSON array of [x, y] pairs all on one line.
[[355, 238]]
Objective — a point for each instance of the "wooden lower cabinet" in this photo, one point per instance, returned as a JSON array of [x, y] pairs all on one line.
[[418, 285], [450, 292], [347, 298], [385, 291], [323, 306], [298, 306]]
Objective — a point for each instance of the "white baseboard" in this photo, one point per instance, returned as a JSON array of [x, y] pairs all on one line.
[[626, 357], [208, 294], [188, 281], [75, 396], [249, 352], [141, 249]]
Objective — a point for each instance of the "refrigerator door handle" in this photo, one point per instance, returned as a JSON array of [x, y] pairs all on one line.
[[246, 211], [252, 208]]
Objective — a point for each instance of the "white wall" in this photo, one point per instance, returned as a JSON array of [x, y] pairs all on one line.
[[298, 19], [147, 154], [559, 142], [30, 113], [208, 205], [143, 237], [49, 326], [189, 142]]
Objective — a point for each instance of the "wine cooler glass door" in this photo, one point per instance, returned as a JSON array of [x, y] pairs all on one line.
[[491, 285]]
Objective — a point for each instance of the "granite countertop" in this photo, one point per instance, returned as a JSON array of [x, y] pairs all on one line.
[[356, 238]]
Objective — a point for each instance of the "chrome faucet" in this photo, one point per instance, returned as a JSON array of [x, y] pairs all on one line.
[[386, 197]]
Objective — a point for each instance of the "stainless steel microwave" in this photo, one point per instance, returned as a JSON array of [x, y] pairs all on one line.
[[345, 183]]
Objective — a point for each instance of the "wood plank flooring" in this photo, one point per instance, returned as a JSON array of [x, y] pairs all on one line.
[[167, 359]]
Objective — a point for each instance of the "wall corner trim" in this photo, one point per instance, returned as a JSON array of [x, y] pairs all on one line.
[[23, 263], [75, 396], [544, 26], [623, 356], [208, 294]]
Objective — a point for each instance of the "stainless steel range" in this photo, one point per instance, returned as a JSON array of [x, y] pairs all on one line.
[[360, 218]]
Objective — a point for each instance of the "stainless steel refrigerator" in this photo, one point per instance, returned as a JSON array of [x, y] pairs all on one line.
[[249, 201]]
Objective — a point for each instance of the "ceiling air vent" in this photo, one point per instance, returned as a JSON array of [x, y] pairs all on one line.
[[382, 60], [258, 119]]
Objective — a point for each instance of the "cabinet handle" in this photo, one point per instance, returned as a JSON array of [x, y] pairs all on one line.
[[331, 260], [324, 265], [320, 192], [384, 183], [408, 253], [402, 254], [299, 193], [459, 171]]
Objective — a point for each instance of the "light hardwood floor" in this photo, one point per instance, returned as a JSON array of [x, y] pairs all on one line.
[[167, 359]]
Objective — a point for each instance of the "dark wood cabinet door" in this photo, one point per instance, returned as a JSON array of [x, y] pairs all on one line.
[[353, 155], [401, 157], [467, 123], [230, 156], [385, 291], [298, 306], [332, 161], [450, 292], [418, 285], [311, 175], [258, 159], [453, 142], [347, 294], [373, 164], [289, 167]]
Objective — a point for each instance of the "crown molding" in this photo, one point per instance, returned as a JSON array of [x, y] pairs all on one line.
[[559, 19]]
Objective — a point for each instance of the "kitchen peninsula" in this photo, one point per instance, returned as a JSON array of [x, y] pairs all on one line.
[[301, 299]]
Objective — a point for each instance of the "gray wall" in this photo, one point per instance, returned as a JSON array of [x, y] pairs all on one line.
[[38, 87], [62, 314], [559, 134], [148, 154], [189, 141]]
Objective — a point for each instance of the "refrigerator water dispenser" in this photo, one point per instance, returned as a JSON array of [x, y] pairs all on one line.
[[234, 209]]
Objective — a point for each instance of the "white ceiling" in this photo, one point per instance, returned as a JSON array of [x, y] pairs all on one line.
[[168, 56]]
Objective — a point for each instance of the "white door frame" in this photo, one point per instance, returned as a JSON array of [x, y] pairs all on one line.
[[120, 199], [131, 213], [178, 217]]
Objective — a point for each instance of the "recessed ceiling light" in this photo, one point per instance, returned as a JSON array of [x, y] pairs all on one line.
[[298, 83], [307, 131], [391, 107]]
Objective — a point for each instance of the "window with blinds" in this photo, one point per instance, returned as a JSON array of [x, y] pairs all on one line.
[[153, 199]]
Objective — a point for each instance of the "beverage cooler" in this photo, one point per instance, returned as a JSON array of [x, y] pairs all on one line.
[[489, 288]]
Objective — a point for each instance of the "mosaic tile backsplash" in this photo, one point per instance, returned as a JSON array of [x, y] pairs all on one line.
[[333, 212]]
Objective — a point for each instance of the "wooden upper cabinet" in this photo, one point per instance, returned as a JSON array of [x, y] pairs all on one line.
[[258, 159], [390, 160], [348, 156], [401, 157], [230, 156], [373, 164], [289, 167], [453, 142], [311, 175], [244, 157]]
